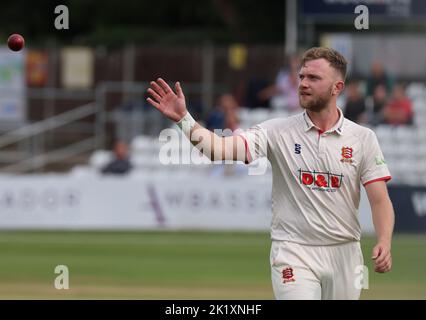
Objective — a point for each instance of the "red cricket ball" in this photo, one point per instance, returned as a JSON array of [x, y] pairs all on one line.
[[16, 42]]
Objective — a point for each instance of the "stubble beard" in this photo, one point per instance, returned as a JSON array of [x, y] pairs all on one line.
[[316, 104]]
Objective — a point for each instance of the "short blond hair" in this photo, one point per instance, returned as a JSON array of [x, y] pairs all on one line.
[[336, 60]]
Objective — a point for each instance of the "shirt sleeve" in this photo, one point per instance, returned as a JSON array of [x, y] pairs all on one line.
[[256, 143], [374, 166]]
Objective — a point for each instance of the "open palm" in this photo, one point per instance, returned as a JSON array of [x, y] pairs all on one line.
[[171, 104]]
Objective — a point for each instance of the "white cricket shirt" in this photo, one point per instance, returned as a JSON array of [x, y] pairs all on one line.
[[316, 176]]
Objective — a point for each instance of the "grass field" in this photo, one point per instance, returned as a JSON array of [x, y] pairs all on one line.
[[173, 265]]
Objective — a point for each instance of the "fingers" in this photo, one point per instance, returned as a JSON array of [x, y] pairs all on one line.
[[164, 85], [159, 90], [155, 95], [376, 252], [382, 257], [179, 90], [153, 103], [385, 266]]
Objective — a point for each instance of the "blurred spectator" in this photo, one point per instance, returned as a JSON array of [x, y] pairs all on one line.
[[232, 120], [225, 117], [379, 77], [120, 164], [224, 114], [399, 110], [375, 105], [254, 97], [379, 89], [355, 105], [284, 93], [379, 99], [215, 119]]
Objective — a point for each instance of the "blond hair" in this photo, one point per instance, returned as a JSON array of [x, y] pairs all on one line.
[[336, 60]]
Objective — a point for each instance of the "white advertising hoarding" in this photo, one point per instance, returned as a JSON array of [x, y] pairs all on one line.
[[216, 203]]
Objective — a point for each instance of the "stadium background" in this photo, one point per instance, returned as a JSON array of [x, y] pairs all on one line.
[[72, 93]]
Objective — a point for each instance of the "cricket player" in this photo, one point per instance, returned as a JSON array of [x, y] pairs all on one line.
[[319, 160]]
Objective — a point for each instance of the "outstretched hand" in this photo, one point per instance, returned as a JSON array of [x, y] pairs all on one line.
[[171, 104]]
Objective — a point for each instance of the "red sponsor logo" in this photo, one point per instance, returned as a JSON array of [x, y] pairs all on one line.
[[320, 179], [347, 154], [288, 275]]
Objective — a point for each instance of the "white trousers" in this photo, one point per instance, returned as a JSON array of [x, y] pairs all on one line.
[[316, 272]]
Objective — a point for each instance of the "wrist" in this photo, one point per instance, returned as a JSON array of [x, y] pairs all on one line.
[[186, 123], [384, 242], [181, 117]]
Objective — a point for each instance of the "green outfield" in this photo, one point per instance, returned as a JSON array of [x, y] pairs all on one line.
[[173, 265]]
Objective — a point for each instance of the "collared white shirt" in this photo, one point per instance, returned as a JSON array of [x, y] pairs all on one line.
[[316, 176]]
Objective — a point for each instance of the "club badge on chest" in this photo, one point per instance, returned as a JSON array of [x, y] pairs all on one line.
[[347, 153]]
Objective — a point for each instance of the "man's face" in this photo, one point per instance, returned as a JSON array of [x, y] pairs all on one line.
[[317, 80], [121, 150]]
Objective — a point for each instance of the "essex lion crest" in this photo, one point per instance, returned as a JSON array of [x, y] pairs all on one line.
[[347, 154], [288, 275]]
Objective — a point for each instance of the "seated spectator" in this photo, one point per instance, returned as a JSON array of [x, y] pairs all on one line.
[[355, 104], [254, 97], [399, 110], [225, 117], [379, 77], [215, 119], [379, 101], [232, 120], [224, 114], [284, 93], [121, 163]]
